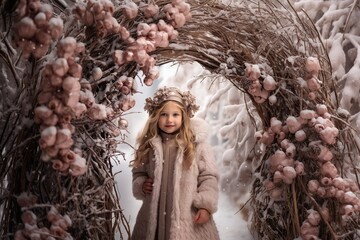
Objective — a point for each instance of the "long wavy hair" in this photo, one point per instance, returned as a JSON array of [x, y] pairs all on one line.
[[184, 138]]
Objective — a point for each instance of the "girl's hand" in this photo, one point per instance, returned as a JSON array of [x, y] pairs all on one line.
[[147, 186], [202, 216]]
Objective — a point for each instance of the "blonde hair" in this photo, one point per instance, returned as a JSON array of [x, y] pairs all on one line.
[[184, 138]]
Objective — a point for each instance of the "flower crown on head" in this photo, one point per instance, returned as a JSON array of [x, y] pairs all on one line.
[[171, 94]]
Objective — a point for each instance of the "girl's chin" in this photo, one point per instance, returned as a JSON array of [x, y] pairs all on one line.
[[170, 130]]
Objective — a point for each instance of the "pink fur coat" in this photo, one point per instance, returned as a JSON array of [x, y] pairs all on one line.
[[194, 188]]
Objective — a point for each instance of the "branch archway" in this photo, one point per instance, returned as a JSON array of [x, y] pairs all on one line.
[[267, 50]]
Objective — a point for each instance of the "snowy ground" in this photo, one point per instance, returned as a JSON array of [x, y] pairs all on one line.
[[230, 224]]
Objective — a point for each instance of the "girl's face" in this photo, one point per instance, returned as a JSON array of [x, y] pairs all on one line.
[[170, 118]]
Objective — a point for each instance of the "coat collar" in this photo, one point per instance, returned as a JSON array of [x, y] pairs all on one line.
[[200, 128]]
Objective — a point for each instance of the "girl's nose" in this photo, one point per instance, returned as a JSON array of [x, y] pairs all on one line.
[[169, 119]]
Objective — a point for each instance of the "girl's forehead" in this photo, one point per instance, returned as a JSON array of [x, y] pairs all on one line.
[[171, 106]]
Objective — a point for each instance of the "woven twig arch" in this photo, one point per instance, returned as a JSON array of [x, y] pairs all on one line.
[[225, 39]]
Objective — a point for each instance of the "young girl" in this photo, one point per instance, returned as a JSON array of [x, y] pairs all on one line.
[[174, 172]]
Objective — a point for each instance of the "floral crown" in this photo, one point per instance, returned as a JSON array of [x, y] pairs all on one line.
[[171, 94]]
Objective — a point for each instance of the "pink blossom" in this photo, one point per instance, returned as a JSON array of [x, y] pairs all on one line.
[[78, 166]]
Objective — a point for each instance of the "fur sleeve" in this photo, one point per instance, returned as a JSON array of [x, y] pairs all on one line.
[[208, 189], [139, 176]]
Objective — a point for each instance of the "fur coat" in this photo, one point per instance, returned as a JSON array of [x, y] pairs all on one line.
[[194, 188]]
